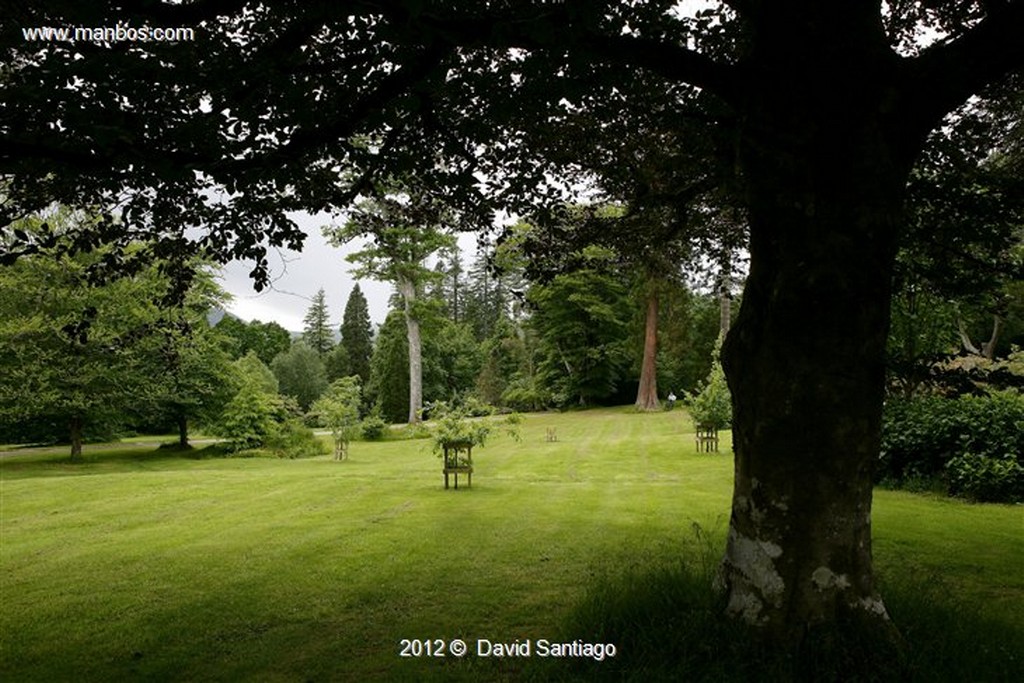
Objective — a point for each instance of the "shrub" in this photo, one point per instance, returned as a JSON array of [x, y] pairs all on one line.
[[922, 436], [293, 439], [475, 407], [255, 419], [374, 427], [453, 426], [248, 418], [526, 394], [986, 480]]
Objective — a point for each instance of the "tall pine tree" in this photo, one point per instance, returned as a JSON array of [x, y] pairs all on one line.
[[451, 286], [357, 335], [317, 326]]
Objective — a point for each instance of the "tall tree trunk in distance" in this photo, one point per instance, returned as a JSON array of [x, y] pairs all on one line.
[[647, 392], [412, 325], [724, 311], [76, 437], [825, 174]]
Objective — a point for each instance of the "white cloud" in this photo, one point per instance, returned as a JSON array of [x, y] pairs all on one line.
[[296, 278]]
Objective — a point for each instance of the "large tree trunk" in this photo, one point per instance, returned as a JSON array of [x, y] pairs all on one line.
[[647, 392], [805, 356], [407, 289], [75, 427], [807, 416], [183, 431]]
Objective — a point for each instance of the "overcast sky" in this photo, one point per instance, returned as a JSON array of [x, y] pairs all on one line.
[[297, 277]]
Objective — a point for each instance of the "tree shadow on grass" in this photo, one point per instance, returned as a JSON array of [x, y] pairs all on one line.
[[100, 459], [666, 624]]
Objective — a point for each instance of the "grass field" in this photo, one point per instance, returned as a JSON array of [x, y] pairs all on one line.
[[148, 565]]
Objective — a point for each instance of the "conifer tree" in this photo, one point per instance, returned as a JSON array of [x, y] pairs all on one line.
[[317, 326], [357, 335]]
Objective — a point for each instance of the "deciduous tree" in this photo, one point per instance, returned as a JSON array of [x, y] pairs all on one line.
[[76, 352], [402, 229], [266, 340], [300, 374], [580, 319]]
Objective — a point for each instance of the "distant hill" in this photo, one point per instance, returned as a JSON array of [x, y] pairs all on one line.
[[216, 315]]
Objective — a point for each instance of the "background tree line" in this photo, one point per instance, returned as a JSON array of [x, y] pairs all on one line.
[[87, 360]]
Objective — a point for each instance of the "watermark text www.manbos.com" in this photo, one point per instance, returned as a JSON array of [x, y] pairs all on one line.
[[524, 648], [107, 34]]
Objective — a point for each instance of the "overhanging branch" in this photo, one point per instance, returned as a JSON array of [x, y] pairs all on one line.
[[945, 75]]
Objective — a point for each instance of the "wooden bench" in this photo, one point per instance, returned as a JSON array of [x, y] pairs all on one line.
[[458, 459], [707, 439]]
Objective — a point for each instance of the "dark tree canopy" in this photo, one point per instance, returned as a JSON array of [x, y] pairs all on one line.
[[209, 143]]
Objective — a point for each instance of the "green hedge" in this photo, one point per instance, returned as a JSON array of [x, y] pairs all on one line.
[[973, 444]]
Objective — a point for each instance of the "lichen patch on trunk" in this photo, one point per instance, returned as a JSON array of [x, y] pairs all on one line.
[[824, 579], [874, 605], [755, 581]]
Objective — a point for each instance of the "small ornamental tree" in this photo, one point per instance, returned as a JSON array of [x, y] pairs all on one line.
[[711, 406], [338, 410], [454, 430]]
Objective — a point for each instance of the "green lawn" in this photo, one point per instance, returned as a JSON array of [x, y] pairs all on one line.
[[149, 565]]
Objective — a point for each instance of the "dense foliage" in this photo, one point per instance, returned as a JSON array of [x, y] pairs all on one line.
[[266, 340], [338, 410], [974, 445], [300, 374], [81, 358], [257, 417], [357, 336]]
